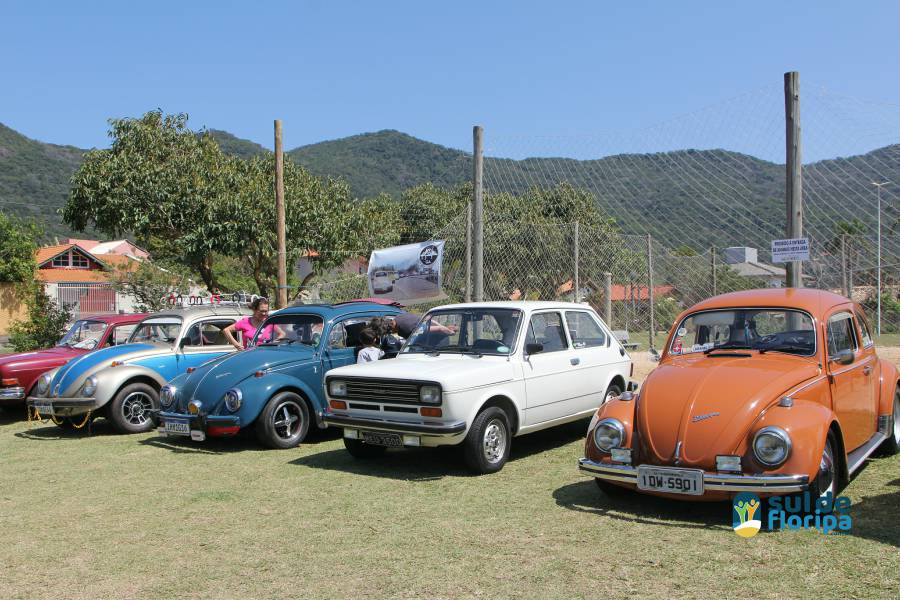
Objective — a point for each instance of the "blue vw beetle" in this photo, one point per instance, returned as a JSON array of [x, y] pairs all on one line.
[[122, 383], [274, 386]]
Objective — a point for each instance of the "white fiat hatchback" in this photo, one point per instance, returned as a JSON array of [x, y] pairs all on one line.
[[478, 375]]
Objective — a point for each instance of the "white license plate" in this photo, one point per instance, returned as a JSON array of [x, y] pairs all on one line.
[[671, 481], [377, 438], [44, 408], [178, 427]]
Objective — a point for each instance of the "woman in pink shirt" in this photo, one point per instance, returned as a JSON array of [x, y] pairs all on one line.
[[248, 326]]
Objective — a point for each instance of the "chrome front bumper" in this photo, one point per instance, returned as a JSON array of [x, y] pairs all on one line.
[[417, 427], [12, 393], [64, 407], [712, 482]]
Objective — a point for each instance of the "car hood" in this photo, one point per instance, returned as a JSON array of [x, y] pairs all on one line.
[[48, 358], [213, 378], [709, 403], [76, 370], [455, 372]]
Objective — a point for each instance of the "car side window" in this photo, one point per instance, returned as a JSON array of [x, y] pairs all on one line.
[[840, 333], [547, 329], [864, 328], [584, 330], [121, 334], [212, 332], [337, 338]]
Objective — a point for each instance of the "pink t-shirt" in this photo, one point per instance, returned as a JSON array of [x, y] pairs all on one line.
[[248, 331]]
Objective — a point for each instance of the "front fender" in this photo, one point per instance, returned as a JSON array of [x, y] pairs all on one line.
[[621, 410], [258, 390], [807, 423], [111, 380], [887, 386]]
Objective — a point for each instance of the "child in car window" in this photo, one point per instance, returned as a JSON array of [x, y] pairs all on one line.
[[370, 352]]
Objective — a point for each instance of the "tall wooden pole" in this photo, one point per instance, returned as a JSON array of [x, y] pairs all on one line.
[[468, 297], [650, 288], [478, 215], [793, 171], [281, 298], [577, 280]]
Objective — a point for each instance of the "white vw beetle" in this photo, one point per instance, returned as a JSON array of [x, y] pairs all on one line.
[[478, 375]]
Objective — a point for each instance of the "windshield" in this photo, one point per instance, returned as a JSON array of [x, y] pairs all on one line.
[[156, 330], [84, 334], [303, 329], [763, 329], [471, 331]]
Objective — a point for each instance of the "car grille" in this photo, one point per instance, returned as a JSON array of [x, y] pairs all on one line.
[[383, 390]]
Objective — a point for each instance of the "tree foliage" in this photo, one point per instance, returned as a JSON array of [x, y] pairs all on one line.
[[46, 322], [149, 285], [18, 243]]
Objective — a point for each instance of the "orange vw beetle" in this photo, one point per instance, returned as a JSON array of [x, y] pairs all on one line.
[[766, 391]]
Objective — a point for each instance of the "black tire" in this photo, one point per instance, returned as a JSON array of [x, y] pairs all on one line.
[[360, 449], [891, 445], [610, 489], [612, 391], [829, 477], [133, 408], [486, 447], [284, 422]]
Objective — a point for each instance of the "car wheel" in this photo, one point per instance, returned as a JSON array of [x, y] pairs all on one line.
[[828, 476], [891, 445], [360, 449], [131, 411], [284, 421], [611, 392], [486, 447]]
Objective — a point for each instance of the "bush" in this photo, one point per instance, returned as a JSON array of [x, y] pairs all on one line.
[[46, 322]]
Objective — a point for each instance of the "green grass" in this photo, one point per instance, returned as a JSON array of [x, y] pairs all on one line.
[[887, 339], [140, 516]]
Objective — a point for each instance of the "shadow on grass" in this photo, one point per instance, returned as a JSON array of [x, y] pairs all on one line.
[[633, 507], [47, 431], [12, 414], [874, 517], [245, 441], [428, 464]]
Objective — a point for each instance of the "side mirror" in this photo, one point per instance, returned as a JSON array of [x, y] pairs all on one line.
[[533, 349], [844, 357], [182, 343], [654, 355]]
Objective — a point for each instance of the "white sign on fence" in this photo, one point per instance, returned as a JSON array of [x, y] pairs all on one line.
[[408, 274], [795, 249]]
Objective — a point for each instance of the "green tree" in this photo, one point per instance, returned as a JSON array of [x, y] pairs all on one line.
[[149, 284], [161, 181], [46, 322], [18, 243]]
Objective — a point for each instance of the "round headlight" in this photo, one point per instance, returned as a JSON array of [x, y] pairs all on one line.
[[609, 434], [89, 387], [43, 384], [167, 395], [233, 399], [337, 388], [771, 446], [430, 394]]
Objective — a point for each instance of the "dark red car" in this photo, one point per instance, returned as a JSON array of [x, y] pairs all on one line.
[[19, 372]]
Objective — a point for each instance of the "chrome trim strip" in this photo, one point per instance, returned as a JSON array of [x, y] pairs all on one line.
[[711, 481], [12, 393], [856, 458]]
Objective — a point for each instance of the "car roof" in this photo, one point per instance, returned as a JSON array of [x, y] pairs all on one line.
[[815, 302], [525, 305], [204, 311], [116, 318], [329, 311]]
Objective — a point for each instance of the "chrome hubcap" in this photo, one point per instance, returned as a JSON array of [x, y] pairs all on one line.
[[897, 419], [494, 441], [287, 419], [136, 408], [826, 471], [610, 395]]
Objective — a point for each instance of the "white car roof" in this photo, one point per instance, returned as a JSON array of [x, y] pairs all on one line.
[[524, 305]]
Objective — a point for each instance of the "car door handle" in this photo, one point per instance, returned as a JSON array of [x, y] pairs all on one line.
[[574, 361], [867, 370]]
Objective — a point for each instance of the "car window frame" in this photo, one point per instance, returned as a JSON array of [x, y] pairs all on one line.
[[559, 312], [842, 314], [595, 319], [864, 330]]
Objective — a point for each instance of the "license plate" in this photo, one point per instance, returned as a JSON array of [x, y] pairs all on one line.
[[672, 481], [177, 427], [44, 408], [375, 438]]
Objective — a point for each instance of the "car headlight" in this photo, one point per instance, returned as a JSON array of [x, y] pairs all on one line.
[[167, 395], [89, 387], [771, 446], [43, 385], [233, 399], [337, 388], [609, 434], [430, 394]]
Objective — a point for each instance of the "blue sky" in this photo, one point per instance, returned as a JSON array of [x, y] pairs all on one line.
[[430, 69]]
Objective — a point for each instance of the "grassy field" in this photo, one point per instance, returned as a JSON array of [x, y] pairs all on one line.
[[140, 516]]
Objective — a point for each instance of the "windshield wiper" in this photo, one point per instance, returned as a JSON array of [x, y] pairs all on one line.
[[728, 347], [427, 349], [786, 348]]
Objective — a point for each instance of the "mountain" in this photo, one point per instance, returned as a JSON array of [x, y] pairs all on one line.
[[231, 144], [386, 161]]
